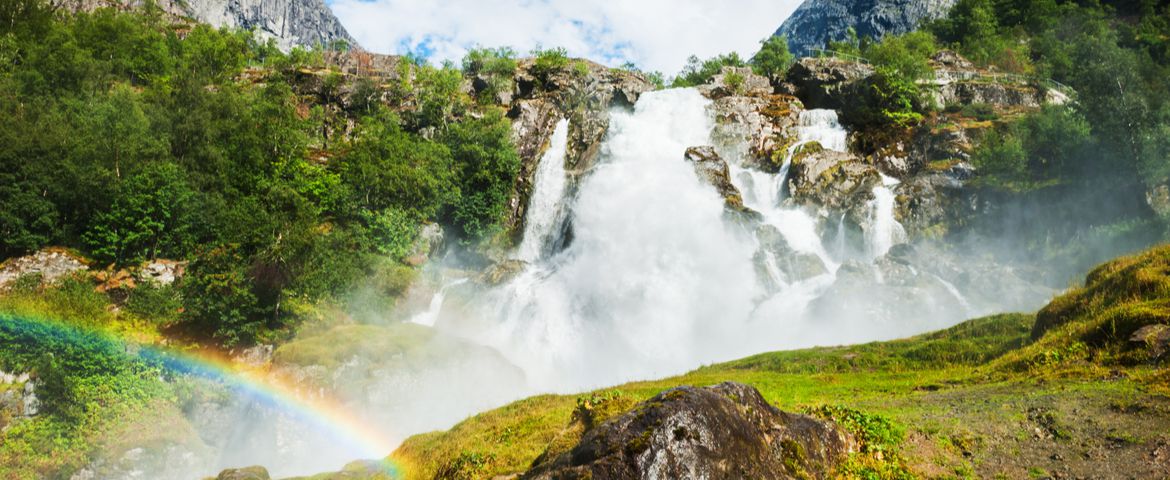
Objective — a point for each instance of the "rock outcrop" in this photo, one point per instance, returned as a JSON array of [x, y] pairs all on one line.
[[713, 170], [582, 92], [827, 82], [723, 431], [817, 22], [291, 23], [50, 264], [752, 123]]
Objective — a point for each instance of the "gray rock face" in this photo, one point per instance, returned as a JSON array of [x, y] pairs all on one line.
[[584, 92], [723, 431], [817, 22], [827, 82], [291, 23], [51, 264]]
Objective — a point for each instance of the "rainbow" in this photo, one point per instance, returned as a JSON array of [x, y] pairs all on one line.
[[320, 412]]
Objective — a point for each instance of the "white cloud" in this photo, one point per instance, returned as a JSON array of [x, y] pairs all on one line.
[[655, 34]]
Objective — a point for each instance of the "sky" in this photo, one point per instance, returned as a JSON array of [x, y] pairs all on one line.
[[654, 34]]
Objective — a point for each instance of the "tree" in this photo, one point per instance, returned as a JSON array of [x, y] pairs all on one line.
[[698, 72], [773, 59], [487, 164], [218, 297], [149, 218]]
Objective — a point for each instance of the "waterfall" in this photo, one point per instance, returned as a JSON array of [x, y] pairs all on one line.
[[822, 126], [840, 238], [654, 281], [884, 230], [545, 207], [431, 314]]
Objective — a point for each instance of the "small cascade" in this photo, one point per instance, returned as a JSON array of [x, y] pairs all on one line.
[[431, 314], [546, 206], [884, 230], [822, 126], [839, 240], [954, 291]]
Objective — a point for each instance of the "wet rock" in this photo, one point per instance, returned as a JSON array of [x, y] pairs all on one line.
[[712, 169], [827, 82], [51, 264], [777, 263], [583, 92], [501, 272], [723, 431], [828, 180], [246, 473], [755, 130], [429, 244]]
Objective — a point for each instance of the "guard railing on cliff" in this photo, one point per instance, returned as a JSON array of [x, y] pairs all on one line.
[[970, 75]]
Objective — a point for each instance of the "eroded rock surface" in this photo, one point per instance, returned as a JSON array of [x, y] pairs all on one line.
[[726, 431]]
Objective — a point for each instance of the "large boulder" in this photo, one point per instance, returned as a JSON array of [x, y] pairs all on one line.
[[246, 473], [828, 180], [723, 431], [755, 130]]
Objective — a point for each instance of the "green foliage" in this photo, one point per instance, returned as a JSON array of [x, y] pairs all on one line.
[[734, 81], [875, 432], [486, 164], [1001, 159], [698, 72], [149, 218], [1044, 147], [495, 66], [548, 62], [773, 59], [150, 301], [218, 297]]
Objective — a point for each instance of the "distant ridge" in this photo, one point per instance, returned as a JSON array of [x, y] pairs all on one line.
[[816, 22]]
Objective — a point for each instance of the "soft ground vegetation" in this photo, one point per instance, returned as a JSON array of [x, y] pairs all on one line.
[[981, 399]]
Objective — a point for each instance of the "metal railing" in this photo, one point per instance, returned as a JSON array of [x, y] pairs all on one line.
[[968, 75]]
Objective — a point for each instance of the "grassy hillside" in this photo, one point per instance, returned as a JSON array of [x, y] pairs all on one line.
[[982, 399]]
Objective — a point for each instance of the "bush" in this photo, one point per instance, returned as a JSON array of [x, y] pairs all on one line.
[[218, 297], [160, 304], [698, 72], [548, 61], [496, 66], [773, 59], [487, 164]]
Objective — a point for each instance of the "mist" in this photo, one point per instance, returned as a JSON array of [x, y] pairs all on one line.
[[637, 270]]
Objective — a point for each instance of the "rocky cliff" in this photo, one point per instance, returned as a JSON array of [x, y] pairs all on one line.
[[817, 22], [291, 23]]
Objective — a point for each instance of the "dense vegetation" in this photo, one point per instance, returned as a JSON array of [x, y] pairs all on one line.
[[133, 135]]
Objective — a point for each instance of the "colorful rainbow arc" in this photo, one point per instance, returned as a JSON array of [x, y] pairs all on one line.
[[322, 413]]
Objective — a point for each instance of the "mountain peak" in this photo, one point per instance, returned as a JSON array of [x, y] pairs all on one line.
[[816, 22]]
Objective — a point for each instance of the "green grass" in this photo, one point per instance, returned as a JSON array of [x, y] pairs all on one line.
[[991, 397]]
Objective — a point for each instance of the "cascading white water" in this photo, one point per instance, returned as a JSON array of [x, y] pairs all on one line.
[[431, 314], [548, 196], [653, 282], [822, 126], [763, 192], [884, 231]]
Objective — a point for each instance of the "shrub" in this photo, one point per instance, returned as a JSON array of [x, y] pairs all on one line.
[[698, 72], [160, 304], [218, 297], [549, 61], [773, 59]]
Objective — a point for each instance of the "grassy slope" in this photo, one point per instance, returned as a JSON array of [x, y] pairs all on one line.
[[979, 399]]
